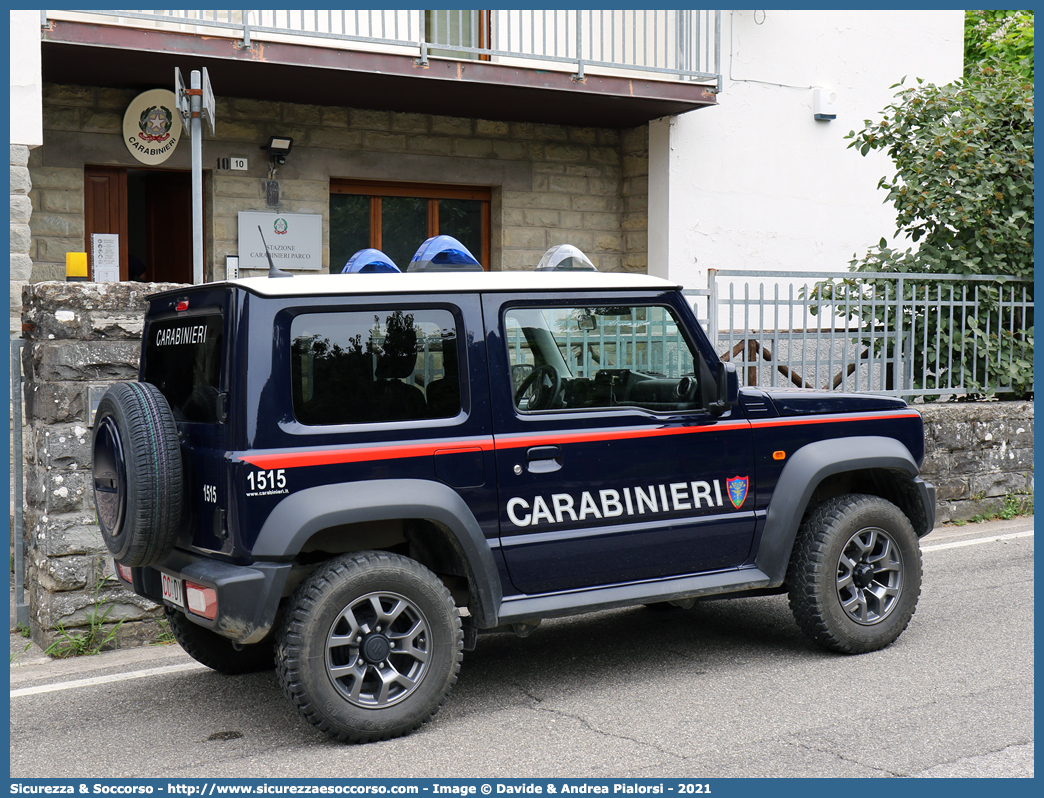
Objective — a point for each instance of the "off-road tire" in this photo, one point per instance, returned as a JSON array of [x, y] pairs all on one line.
[[137, 473], [825, 575], [332, 631], [217, 652]]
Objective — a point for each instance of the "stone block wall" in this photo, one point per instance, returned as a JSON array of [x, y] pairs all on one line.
[[58, 191], [576, 195], [552, 184], [80, 337], [976, 454], [634, 149], [57, 223]]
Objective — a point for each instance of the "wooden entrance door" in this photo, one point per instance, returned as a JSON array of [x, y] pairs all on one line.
[[167, 220], [105, 207], [168, 212]]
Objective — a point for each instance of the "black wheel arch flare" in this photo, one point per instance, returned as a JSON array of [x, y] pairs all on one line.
[[816, 462], [301, 515]]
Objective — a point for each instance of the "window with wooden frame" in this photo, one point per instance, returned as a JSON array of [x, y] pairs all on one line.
[[397, 218], [471, 28]]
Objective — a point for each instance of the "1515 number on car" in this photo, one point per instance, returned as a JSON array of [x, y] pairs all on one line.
[[267, 480]]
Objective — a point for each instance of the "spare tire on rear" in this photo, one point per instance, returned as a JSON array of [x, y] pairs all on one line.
[[137, 472]]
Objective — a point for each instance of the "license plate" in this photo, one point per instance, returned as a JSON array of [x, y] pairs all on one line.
[[172, 589]]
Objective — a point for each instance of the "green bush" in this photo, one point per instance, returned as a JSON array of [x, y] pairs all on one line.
[[1005, 36], [963, 193]]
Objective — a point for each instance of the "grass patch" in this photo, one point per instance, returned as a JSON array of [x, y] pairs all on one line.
[[165, 636], [90, 640], [1015, 505]]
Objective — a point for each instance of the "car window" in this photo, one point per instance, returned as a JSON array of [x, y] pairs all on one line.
[[570, 358], [374, 365]]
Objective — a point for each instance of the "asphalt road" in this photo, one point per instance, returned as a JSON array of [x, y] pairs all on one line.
[[726, 689]]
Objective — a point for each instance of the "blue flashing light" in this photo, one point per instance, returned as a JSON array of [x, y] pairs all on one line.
[[368, 261], [443, 254]]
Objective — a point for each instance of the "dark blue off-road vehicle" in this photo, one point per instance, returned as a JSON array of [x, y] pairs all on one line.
[[351, 477]]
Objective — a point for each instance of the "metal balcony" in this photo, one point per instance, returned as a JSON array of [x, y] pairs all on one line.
[[603, 68]]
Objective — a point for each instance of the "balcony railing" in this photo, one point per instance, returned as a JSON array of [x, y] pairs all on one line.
[[659, 45]]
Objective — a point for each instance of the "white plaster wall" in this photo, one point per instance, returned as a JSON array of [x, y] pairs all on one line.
[[659, 195], [26, 81], [756, 182]]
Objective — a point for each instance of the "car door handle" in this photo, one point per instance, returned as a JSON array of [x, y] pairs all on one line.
[[543, 453], [543, 459]]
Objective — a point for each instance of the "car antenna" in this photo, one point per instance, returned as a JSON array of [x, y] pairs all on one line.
[[272, 270]]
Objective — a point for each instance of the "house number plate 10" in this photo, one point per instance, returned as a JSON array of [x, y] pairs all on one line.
[[232, 163]]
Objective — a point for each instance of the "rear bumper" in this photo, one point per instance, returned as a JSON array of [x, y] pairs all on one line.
[[248, 595], [927, 493]]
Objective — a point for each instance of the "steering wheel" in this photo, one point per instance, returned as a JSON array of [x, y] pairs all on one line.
[[686, 389], [543, 395]]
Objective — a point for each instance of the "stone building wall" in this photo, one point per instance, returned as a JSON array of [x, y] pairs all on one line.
[[634, 149], [80, 337], [57, 222], [57, 195], [551, 184]]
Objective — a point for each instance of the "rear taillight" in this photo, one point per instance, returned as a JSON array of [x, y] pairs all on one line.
[[201, 600], [124, 573]]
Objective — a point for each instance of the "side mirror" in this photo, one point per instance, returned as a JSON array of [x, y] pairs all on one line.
[[728, 388]]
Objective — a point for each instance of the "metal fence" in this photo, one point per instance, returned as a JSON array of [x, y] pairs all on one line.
[[902, 334], [682, 45], [643, 339]]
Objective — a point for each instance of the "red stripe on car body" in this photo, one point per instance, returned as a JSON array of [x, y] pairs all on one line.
[[789, 422], [362, 454]]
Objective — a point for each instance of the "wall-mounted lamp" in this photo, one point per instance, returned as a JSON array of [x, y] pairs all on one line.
[[278, 148]]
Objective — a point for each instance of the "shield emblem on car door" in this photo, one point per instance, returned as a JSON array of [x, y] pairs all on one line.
[[737, 487]]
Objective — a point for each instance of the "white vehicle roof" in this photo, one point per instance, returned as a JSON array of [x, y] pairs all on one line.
[[448, 282]]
